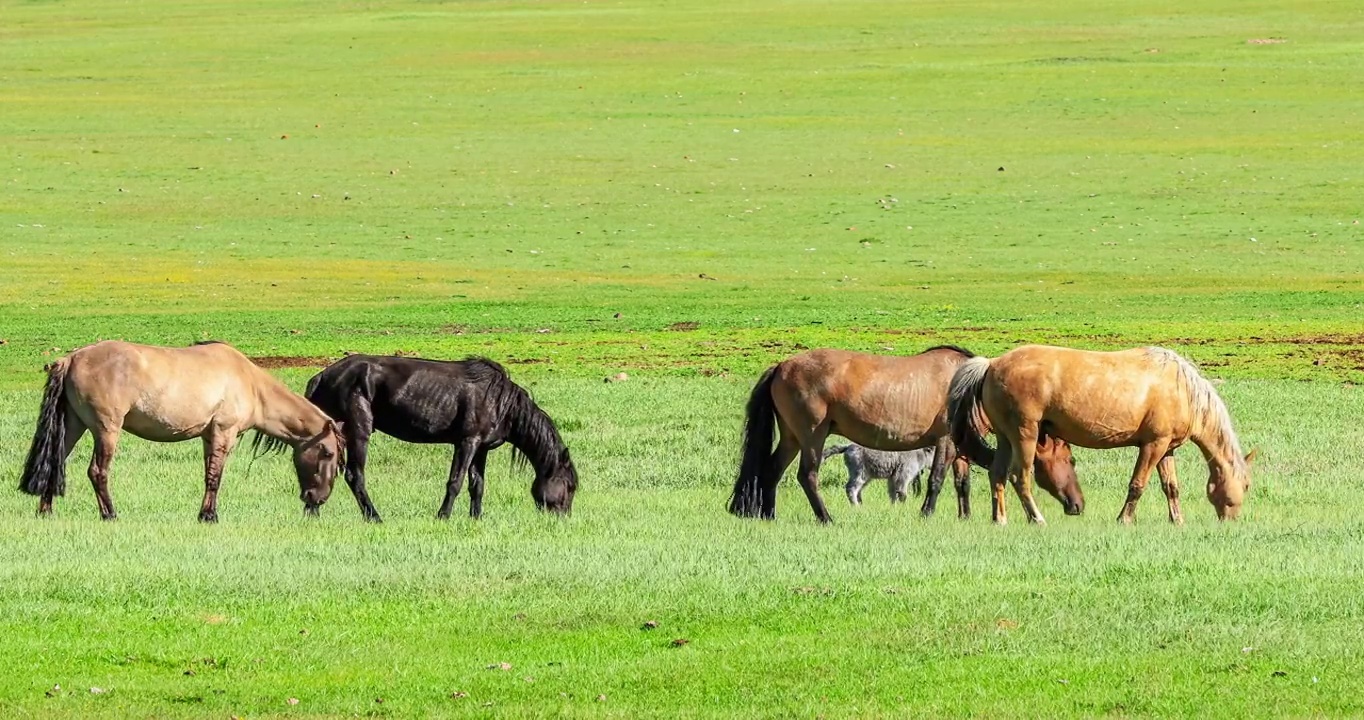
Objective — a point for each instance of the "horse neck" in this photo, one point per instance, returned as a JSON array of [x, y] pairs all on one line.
[[1215, 437], [531, 431], [284, 415]]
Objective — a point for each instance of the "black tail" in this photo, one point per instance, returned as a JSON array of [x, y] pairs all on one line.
[[760, 424], [45, 468], [963, 411], [835, 450]]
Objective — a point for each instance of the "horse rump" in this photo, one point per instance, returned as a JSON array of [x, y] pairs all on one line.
[[760, 423], [963, 412], [45, 468]]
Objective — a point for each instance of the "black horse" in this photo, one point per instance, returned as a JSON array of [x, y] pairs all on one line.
[[471, 404]]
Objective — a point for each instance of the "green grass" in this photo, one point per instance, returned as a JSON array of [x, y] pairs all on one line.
[[557, 185]]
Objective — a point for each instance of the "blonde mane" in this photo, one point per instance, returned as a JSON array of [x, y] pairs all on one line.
[[1212, 421]]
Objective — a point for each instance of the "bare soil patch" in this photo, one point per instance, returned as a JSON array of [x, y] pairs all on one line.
[[274, 362]]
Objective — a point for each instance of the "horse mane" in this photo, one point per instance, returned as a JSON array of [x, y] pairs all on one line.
[[954, 348], [1211, 417], [532, 434], [263, 444]]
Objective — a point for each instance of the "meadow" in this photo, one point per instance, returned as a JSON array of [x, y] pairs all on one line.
[[686, 193]]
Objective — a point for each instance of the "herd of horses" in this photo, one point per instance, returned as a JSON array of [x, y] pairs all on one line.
[[1037, 400]]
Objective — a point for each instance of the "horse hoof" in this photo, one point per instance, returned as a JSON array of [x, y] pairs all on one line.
[[208, 517]]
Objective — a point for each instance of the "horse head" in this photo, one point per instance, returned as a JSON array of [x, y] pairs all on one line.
[[554, 486], [1227, 486], [318, 461], [1054, 467]]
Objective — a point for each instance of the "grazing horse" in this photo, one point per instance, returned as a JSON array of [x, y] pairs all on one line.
[[471, 404], [1149, 398], [898, 469], [208, 391], [877, 401]]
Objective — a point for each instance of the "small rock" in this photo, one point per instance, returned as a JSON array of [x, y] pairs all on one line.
[[292, 701], [458, 694], [649, 625], [500, 666], [679, 642], [55, 691], [283, 137], [1001, 168], [602, 698], [191, 673], [304, 631], [97, 691], [618, 377]]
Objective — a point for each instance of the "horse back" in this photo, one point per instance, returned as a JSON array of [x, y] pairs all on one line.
[[416, 400], [160, 392], [885, 402], [1094, 398]]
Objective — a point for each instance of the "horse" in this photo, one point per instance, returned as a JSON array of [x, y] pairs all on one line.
[[900, 470], [1149, 398], [209, 391], [877, 401], [471, 404]]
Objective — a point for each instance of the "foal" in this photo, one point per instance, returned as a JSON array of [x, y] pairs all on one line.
[[898, 469]]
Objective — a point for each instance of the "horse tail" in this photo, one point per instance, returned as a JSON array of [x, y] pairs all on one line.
[[835, 450], [45, 468], [759, 425], [968, 422]]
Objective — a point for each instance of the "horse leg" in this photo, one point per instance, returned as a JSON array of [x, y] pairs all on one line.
[[897, 486], [75, 430], [999, 472], [941, 457], [1021, 471], [106, 443], [787, 449], [359, 427], [809, 478], [961, 468], [217, 445], [1169, 482], [856, 479], [459, 467], [476, 482], [1147, 458]]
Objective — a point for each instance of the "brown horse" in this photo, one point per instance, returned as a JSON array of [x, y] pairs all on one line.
[[208, 391], [877, 401], [1149, 398]]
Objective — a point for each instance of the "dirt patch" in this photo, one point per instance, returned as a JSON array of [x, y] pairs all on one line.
[[684, 326], [1332, 339], [274, 362], [1266, 41], [527, 361]]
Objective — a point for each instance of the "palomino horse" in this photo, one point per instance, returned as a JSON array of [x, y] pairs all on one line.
[[877, 401], [207, 391], [471, 404], [1149, 398]]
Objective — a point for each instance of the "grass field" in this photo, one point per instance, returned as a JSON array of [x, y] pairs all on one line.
[[686, 192]]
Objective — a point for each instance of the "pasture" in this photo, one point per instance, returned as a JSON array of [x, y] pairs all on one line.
[[684, 192]]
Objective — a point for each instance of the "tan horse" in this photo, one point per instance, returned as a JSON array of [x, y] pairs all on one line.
[[877, 401], [207, 391], [1149, 398]]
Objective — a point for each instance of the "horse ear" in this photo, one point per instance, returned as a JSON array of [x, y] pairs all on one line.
[[563, 457], [1250, 456]]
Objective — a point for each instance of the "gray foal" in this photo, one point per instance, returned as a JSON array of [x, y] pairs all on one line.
[[898, 468]]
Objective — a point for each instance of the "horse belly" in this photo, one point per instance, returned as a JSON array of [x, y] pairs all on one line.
[[162, 427]]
